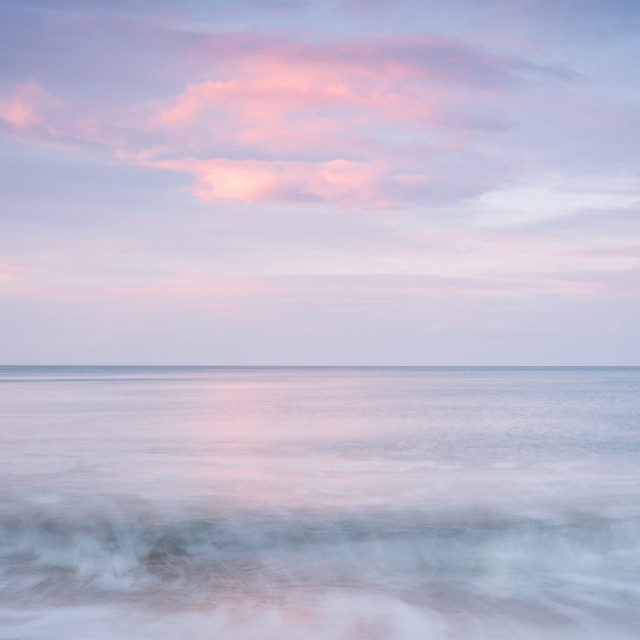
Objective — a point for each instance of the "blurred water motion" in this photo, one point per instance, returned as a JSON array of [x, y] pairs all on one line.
[[319, 503]]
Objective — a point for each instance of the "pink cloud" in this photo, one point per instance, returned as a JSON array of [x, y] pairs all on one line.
[[290, 112], [343, 121], [185, 289], [358, 83], [340, 181], [283, 90], [35, 115], [27, 105], [438, 59], [9, 271], [366, 122], [202, 289]]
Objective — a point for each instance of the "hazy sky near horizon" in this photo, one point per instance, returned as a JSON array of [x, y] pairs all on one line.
[[325, 182]]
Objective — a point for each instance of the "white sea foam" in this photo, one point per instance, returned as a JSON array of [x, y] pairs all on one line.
[[342, 505], [444, 566]]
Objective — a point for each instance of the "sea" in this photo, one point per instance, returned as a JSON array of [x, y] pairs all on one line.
[[304, 503]]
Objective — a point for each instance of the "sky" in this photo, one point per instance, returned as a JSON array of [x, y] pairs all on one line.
[[320, 182]]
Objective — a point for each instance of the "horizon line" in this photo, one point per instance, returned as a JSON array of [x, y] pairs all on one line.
[[334, 366]]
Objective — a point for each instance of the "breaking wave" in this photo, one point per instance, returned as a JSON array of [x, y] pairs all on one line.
[[80, 549]]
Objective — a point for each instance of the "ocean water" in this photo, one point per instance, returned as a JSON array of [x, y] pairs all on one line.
[[319, 503]]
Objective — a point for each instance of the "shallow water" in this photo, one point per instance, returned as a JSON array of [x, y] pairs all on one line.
[[320, 503]]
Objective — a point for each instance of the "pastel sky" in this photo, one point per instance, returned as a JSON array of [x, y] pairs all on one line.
[[318, 182]]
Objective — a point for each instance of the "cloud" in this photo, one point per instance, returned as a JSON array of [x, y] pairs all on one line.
[[33, 114], [8, 271], [367, 122], [268, 78], [339, 181], [27, 106], [334, 121], [435, 58]]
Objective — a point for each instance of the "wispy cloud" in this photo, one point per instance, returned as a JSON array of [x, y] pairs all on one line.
[[27, 106], [9, 271], [304, 120], [356, 122]]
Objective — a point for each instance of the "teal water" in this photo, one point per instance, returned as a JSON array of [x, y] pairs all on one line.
[[400, 503]]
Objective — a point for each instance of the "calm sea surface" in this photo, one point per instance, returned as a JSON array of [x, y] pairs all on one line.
[[193, 503]]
